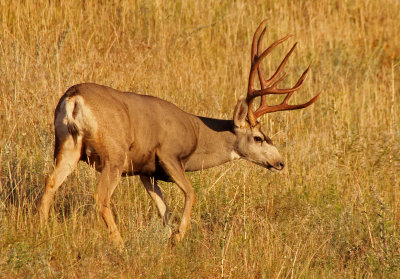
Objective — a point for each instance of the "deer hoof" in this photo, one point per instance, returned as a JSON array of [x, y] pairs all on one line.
[[175, 238]]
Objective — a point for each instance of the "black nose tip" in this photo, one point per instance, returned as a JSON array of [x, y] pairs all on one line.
[[281, 165]]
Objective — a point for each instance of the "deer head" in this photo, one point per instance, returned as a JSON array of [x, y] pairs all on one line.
[[252, 143]]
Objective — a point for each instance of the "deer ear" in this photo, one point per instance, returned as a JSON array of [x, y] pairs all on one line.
[[240, 113]]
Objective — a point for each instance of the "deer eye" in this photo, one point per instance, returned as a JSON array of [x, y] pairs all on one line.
[[258, 139]]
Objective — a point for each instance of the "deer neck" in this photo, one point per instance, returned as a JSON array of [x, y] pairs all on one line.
[[215, 144]]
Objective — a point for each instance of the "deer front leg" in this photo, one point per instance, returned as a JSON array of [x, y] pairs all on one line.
[[109, 179], [156, 195], [175, 170]]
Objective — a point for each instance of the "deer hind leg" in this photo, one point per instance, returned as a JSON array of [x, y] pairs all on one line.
[[67, 156], [177, 174], [109, 179], [155, 193]]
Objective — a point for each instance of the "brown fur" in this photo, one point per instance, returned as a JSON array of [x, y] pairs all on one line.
[[122, 133]]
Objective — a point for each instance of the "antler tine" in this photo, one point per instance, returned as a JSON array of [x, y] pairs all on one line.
[[254, 55], [283, 63], [257, 62], [299, 84], [263, 82], [256, 59], [272, 89], [284, 106]]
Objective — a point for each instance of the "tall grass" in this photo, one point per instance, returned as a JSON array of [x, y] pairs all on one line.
[[334, 210]]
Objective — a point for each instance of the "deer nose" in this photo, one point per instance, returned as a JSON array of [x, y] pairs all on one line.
[[280, 165]]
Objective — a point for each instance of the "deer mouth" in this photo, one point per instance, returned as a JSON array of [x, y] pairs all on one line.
[[271, 168], [278, 166]]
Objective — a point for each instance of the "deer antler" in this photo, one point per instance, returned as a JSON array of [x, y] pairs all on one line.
[[270, 86]]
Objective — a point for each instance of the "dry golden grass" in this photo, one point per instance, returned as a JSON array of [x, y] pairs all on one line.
[[333, 212]]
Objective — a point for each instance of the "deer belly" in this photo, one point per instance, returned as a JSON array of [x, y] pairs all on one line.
[[138, 164], [150, 167]]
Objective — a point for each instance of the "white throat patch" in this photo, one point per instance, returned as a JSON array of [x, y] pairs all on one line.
[[234, 155]]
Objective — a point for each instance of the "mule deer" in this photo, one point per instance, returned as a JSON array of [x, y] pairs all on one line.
[[122, 133]]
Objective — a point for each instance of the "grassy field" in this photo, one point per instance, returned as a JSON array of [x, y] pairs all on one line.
[[332, 213]]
